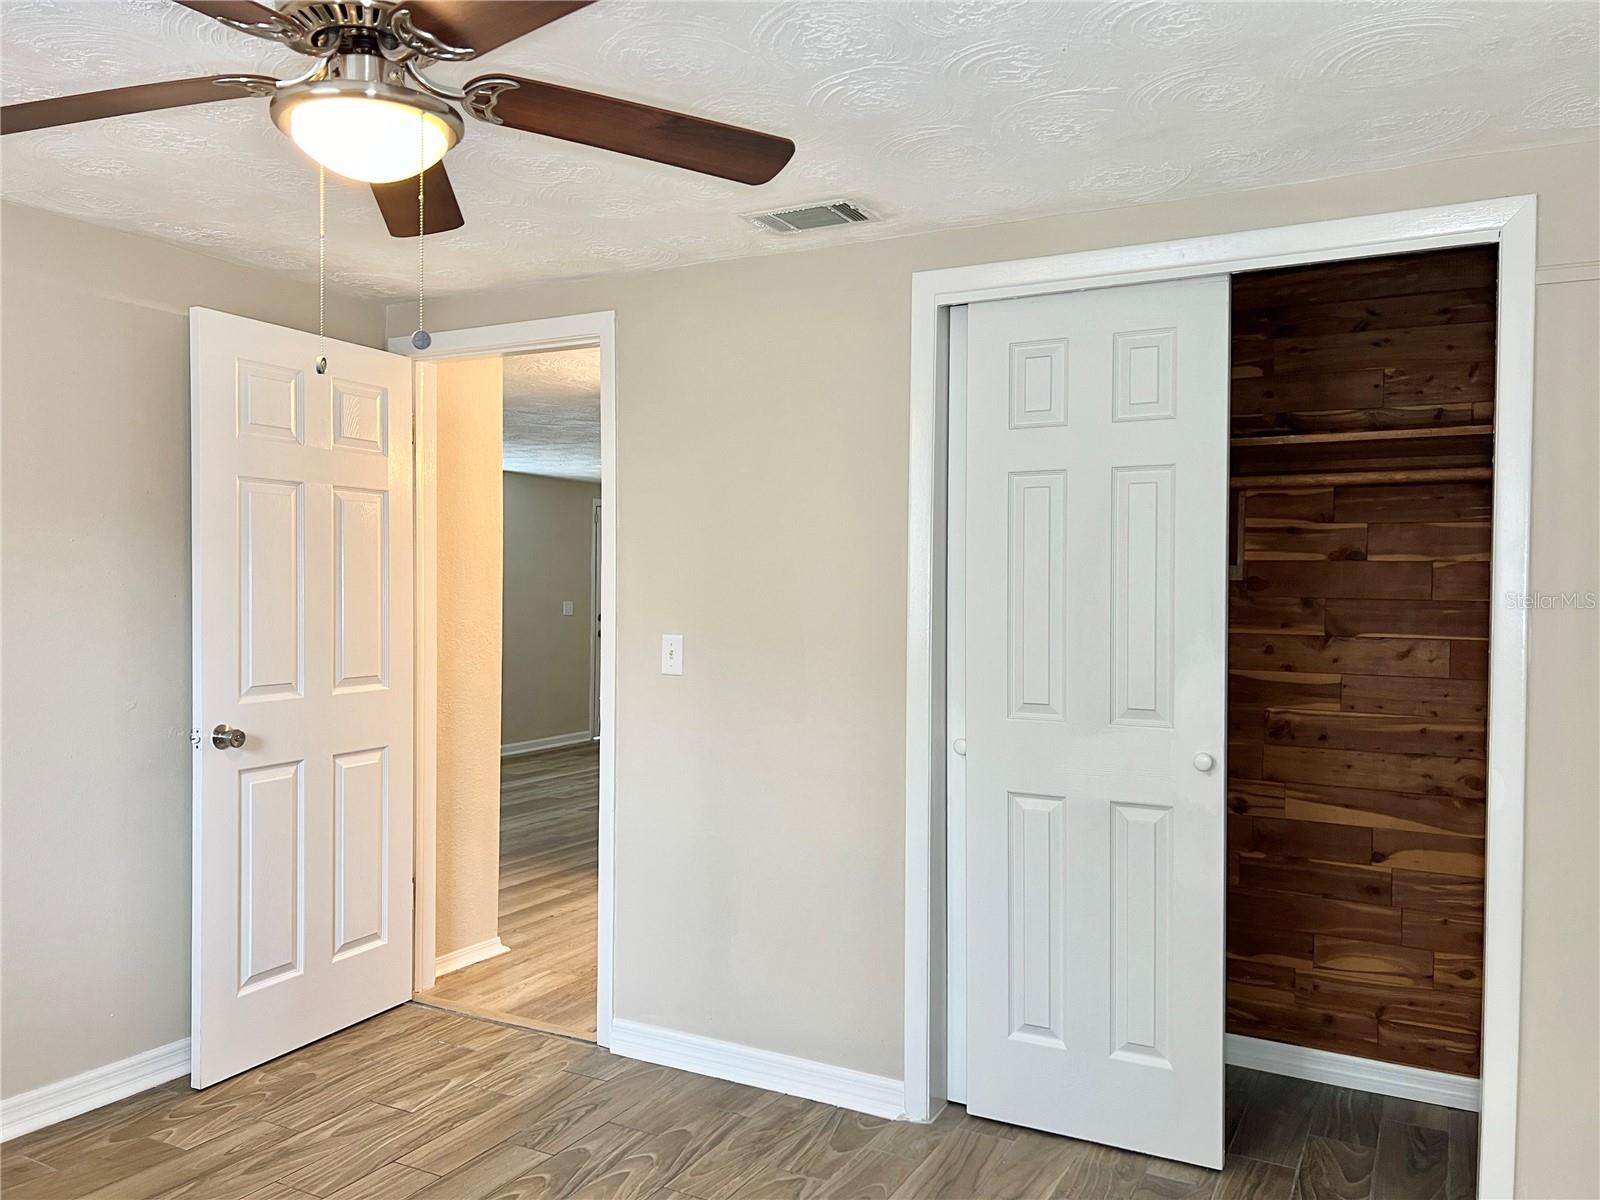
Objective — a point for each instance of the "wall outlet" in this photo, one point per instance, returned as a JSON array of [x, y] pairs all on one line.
[[566, 608], [672, 654]]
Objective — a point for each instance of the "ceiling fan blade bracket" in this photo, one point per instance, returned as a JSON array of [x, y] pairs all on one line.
[[420, 42], [484, 93], [252, 85]]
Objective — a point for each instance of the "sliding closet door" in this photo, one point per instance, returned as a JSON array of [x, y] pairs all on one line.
[[1096, 577]]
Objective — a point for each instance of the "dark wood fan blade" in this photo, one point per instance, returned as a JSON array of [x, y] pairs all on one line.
[[398, 203], [118, 102], [640, 130], [484, 25], [247, 12]]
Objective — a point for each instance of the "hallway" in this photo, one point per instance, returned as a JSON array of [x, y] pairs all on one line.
[[549, 814]]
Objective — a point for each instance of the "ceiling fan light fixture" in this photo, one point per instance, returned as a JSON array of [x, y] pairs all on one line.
[[367, 131]]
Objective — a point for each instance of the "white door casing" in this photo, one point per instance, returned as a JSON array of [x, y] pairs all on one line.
[[302, 554], [1096, 576], [595, 633]]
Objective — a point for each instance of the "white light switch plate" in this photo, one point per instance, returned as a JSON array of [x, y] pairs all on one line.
[[672, 654], [566, 608]]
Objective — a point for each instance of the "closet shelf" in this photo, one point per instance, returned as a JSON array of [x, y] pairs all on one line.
[[1368, 455], [1347, 478], [1366, 435]]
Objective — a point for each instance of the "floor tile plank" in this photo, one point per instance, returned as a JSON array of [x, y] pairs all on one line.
[[526, 1116], [1347, 1115], [1248, 1179], [1276, 1120], [1413, 1162], [1335, 1170], [1461, 1177]]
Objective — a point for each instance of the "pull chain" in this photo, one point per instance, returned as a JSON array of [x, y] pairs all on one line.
[[421, 339], [322, 269]]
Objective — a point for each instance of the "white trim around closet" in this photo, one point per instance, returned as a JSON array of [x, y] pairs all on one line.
[[1509, 222]]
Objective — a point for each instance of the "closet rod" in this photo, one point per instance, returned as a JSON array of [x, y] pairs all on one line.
[[1336, 478]]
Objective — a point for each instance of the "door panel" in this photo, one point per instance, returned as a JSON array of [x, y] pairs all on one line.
[[1095, 587], [302, 519]]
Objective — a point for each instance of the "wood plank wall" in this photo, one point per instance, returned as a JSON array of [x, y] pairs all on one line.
[[1358, 659]]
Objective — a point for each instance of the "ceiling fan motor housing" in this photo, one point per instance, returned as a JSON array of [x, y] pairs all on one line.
[[323, 21]]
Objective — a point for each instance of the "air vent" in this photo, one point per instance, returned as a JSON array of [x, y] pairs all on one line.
[[812, 216]]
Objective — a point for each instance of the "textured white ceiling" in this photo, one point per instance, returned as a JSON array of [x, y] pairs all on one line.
[[928, 113], [552, 413]]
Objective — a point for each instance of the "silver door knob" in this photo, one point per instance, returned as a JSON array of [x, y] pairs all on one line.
[[225, 738], [1204, 762], [959, 746]]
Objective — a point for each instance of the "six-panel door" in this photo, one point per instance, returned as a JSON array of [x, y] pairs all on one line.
[[302, 529], [1096, 561]]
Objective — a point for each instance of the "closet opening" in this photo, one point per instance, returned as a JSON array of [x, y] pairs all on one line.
[[1362, 474]]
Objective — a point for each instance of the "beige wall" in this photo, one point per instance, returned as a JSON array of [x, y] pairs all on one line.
[[468, 831], [545, 673], [762, 514], [1559, 1138], [94, 695]]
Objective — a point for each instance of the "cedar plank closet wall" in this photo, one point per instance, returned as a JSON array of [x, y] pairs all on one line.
[[1358, 652]]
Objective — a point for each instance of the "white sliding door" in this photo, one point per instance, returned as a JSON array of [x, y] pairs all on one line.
[[1096, 484]]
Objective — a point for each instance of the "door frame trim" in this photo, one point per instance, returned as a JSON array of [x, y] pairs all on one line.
[[595, 543], [1510, 222], [548, 333]]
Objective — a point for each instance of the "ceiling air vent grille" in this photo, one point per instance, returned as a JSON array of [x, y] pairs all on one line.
[[812, 216]]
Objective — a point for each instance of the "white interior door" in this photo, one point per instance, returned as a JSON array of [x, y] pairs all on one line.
[[302, 532], [1096, 574]]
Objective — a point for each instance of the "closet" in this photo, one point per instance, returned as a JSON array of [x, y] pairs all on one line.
[[1362, 415], [1249, 513]]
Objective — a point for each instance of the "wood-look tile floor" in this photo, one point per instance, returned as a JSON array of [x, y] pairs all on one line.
[[417, 1103], [549, 882]]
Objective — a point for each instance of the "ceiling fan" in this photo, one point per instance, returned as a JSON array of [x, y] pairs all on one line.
[[366, 109]]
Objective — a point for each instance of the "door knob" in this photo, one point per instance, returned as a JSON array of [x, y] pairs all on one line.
[[224, 738], [959, 746], [1204, 762]]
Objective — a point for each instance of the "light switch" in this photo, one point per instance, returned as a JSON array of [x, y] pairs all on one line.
[[566, 608], [672, 654]]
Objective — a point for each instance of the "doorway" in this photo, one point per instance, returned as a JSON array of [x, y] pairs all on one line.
[[548, 962], [516, 894], [934, 1014]]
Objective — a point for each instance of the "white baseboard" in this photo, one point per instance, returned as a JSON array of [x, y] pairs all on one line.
[[1346, 1070], [115, 1081], [839, 1086], [468, 955], [546, 743]]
